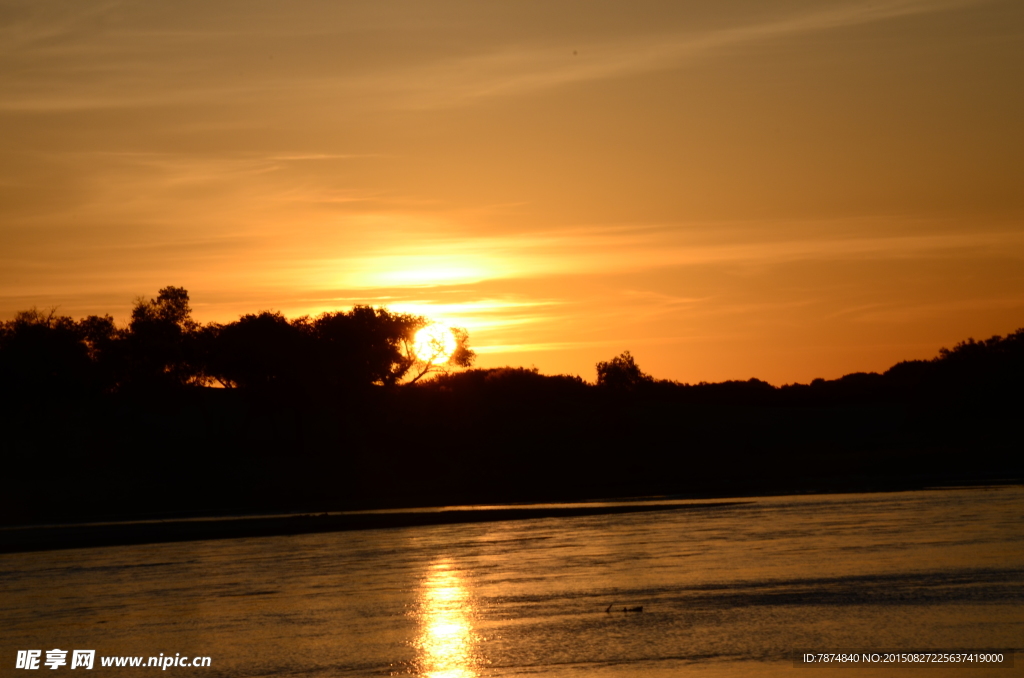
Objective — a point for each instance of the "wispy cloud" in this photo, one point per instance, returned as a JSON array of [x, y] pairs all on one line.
[[537, 346], [519, 69], [432, 262], [323, 156], [484, 314], [117, 63]]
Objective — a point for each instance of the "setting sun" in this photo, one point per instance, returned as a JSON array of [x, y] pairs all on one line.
[[435, 344]]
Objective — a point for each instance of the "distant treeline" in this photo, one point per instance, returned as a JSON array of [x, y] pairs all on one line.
[[320, 414], [163, 349]]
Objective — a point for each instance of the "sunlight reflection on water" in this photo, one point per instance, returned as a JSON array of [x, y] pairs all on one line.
[[446, 646]]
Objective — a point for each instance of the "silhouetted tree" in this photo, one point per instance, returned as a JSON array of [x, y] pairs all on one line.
[[332, 353], [365, 346], [159, 348], [995, 351], [621, 373], [258, 351], [43, 353], [980, 374], [462, 356]]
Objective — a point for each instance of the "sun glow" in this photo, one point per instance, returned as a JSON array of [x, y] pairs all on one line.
[[434, 344]]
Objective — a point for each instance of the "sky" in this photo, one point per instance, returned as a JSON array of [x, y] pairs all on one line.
[[726, 188]]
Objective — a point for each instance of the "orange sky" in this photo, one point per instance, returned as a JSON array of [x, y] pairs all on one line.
[[726, 188]]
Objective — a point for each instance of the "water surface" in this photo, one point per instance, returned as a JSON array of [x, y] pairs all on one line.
[[726, 591]]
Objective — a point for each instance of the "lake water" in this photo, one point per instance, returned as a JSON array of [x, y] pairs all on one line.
[[726, 591]]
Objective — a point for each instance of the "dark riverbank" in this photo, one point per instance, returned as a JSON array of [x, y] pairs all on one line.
[[515, 438], [59, 537], [76, 453]]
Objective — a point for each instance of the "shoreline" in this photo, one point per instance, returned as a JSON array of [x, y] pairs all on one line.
[[67, 536], [64, 537]]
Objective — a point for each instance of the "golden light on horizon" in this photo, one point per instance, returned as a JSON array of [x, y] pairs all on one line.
[[786, 191], [434, 344], [446, 646]]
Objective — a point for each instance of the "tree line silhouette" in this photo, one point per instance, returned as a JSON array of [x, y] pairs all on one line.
[[166, 415], [162, 349]]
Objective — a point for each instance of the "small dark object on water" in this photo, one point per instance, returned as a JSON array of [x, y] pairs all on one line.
[[638, 608]]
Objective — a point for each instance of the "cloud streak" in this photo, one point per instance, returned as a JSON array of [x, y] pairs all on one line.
[[620, 250], [147, 65], [516, 71]]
